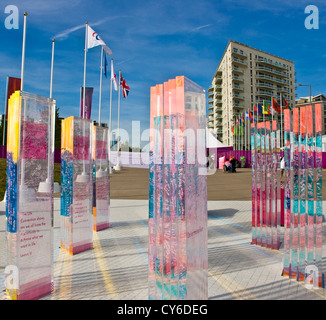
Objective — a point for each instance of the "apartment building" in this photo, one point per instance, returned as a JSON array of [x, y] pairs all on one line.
[[245, 77]]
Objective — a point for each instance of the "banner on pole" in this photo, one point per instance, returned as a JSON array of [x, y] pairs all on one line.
[[88, 102], [13, 86]]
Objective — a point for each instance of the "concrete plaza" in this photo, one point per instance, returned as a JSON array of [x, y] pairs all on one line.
[[116, 268]]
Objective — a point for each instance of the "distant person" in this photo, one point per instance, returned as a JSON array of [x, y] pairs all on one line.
[[233, 164], [227, 166]]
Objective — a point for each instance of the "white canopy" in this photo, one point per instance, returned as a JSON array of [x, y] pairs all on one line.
[[212, 142]]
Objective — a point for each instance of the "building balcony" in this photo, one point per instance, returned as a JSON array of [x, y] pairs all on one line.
[[219, 116], [218, 101], [237, 69], [218, 74], [237, 78], [239, 61], [264, 93], [282, 90], [210, 107], [210, 125], [238, 105], [218, 94], [211, 89], [265, 85], [238, 96], [272, 71], [211, 95], [239, 53], [276, 80], [271, 63], [218, 79], [237, 87]]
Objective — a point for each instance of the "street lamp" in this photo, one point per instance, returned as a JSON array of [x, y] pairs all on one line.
[[306, 85]]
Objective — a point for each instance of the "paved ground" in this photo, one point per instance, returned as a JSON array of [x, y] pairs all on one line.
[[132, 183], [220, 186], [116, 268]]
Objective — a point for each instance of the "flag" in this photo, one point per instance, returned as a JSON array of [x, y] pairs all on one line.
[[124, 86], [94, 40], [232, 129], [276, 106], [250, 115], [114, 77], [105, 66], [265, 108], [247, 115], [243, 120], [258, 108], [88, 103], [272, 110], [285, 103]]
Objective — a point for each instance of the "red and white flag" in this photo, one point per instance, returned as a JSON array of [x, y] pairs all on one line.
[[124, 86]]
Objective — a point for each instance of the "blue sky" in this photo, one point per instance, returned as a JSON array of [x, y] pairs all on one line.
[[153, 41]]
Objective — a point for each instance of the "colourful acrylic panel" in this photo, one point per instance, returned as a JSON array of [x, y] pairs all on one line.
[[101, 179], [265, 184], [76, 185], [319, 114], [29, 206], [253, 183], [177, 192], [303, 223]]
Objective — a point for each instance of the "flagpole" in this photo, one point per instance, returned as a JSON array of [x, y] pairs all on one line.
[[23, 54], [248, 131], [281, 120], [100, 97], [241, 123], [53, 117], [85, 58], [245, 134], [52, 63], [234, 133], [25, 191], [83, 176], [237, 133], [5, 112], [239, 138], [45, 186], [117, 167], [110, 121], [272, 110]]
